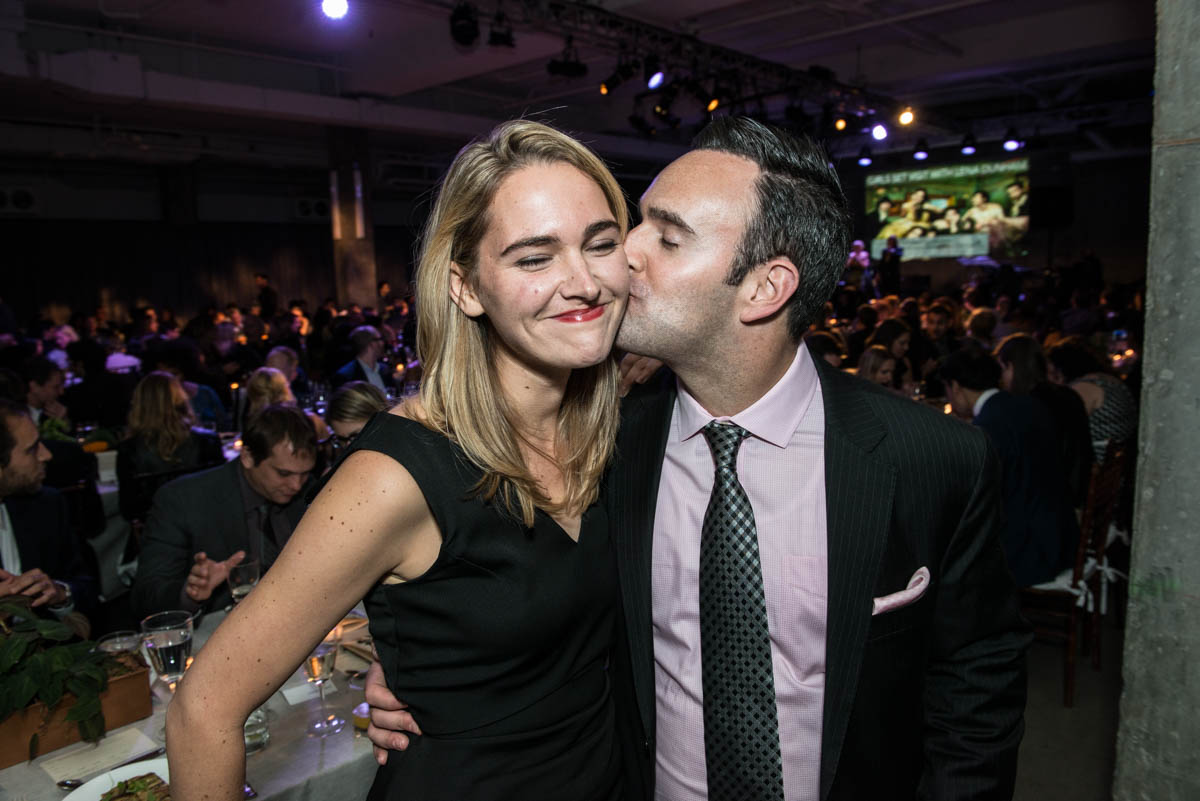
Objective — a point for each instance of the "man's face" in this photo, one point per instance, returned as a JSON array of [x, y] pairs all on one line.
[[281, 475], [935, 325], [52, 390], [27, 464], [1015, 192], [960, 403], [693, 217]]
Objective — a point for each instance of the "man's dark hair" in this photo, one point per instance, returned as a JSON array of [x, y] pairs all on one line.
[[1023, 353], [39, 370], [1074, 358], [940, 309], [362, 337], [868, 315], [801, 211], [12, 386], [8, 410], [823, 343], [971, 367], [276, 424]]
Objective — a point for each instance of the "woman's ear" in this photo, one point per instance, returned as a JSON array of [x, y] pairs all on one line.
[[462, 293], [768, 288]]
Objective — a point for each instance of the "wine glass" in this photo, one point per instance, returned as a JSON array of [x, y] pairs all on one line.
[[319, 669], [168, 640], [242, 578]]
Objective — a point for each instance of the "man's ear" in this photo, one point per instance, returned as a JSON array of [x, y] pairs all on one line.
[[462, 293], [246, 457], [768, 288]]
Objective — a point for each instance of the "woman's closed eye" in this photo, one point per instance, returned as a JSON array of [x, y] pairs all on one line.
[[667, 244], [603, 247]]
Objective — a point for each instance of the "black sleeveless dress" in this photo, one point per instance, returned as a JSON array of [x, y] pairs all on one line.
[[501, 648]]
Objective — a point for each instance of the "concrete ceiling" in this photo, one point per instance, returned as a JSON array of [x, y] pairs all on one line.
[[280, 68]]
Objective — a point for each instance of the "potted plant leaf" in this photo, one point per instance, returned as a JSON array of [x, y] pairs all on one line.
[[56, 689]]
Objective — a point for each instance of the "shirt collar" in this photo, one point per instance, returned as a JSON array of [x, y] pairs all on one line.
[[983, 398], [772, 418]]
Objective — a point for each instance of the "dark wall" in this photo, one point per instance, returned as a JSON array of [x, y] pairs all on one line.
[[78, 264]]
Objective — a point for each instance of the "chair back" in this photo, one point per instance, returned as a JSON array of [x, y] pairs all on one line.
[[1103, 492]]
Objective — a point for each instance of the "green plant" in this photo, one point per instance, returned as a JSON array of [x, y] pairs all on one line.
[[38, 661]]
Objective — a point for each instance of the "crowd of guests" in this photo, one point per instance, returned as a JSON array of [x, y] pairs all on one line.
[[1028, 362], [296, 390]]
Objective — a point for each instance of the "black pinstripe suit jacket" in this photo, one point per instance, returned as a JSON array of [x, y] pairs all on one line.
[[926, 701]]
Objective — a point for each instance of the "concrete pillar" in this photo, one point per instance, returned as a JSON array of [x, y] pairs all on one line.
[[351, 223], [1158, 743]]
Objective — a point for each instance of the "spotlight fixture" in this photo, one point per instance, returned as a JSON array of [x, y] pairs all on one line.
[[1011, 142], [334, 9], [921, 151], [621, 73], [501, 34], [968, 145], [906, 117], [864, 157], [654, 73], [879, 132], [840, 123], [464, 24], [568, 64]]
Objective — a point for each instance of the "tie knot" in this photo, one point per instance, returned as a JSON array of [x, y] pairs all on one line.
[[723, 440]]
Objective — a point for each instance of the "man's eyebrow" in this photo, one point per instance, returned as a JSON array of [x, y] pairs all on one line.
[[530, 242], [669, 217]]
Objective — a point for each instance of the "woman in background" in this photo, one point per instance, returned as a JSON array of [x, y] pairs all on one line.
[[162, 439]]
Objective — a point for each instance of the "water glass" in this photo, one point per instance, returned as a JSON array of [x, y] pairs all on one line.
[[242, 578], [168, 640]]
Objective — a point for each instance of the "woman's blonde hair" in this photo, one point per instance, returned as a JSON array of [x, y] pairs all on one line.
[[264, 387], [460, 393], [873, 360], [355, 401], [160, 414]]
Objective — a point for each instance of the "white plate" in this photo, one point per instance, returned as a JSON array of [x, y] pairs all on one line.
[[106, 781]]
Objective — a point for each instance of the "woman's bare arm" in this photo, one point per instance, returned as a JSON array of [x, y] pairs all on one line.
[[371, 519]]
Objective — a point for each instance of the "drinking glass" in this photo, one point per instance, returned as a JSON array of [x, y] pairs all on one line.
[[242, 578], [319, 669], [168, 640]]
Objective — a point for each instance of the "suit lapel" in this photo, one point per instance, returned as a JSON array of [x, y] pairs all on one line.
[[858, 490], [634, 481]]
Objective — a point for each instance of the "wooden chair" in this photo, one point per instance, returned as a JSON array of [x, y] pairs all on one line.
[[1056, 609]]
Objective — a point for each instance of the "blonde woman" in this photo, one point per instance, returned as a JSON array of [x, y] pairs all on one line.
[[468, 518], [268, 386], [161, 438]]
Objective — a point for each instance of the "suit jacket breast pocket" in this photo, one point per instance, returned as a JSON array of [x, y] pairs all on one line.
[[897, 621]]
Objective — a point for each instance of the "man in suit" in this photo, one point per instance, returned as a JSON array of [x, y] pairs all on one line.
[[203, 524], [369, 348], [1040, 530], [40, 555], [879, 650]]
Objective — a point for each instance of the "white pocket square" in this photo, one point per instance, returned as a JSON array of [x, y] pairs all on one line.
[[910, 594]]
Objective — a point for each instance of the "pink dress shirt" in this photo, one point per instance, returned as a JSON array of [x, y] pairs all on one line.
[[782, 468]]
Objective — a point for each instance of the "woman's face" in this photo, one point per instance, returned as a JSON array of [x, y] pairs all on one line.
[[347, 429], [900, 345], [1006, 376], [885, 373], [552, 276]]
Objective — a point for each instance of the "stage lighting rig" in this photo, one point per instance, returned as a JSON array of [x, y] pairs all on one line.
[[501, 34], [921, 151], [969, 146], [864, 157], [568, 64]]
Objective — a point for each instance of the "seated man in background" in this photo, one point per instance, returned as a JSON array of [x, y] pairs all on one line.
[[40, 555], [1040, 530], [368, 350], [202, 524], [45, 383]]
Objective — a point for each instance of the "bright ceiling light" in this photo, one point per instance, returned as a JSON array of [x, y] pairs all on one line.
[[864, 157], [968, 145], [879, 132], [335, 9], [1011, 142], [840, 123], [907, 116], [921, 151]]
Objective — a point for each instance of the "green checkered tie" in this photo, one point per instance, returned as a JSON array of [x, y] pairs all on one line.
[[741, 726]]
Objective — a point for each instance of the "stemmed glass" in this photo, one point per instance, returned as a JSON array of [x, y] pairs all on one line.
[[242, 578], [319, 669], [168, 640]]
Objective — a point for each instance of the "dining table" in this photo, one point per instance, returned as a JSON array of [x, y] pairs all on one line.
[[292, 767]]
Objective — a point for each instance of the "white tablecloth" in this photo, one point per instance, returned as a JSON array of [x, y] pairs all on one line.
[[293, 767]]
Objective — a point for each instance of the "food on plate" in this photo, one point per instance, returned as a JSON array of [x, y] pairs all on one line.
[[147, 787]]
